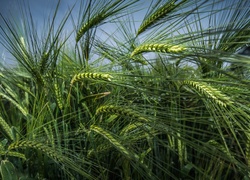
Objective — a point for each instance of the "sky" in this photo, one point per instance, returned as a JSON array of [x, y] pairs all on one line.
[[40, 10]]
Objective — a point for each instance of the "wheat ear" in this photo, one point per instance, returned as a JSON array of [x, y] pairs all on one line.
[[121, 111], [43, 62], [80, 76], [13, 154], [90, 24], [211, 92], [98, 18], [51, 153], [58, 94], [23, 111], [128, 154], [127, 129], [39, 146], [5, 126], [222, 148], [156, 16], [152, 47], [114, 142]]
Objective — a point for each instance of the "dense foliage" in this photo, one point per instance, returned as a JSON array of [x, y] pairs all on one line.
[[165, 99]]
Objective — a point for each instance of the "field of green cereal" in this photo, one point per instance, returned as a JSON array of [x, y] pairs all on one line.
[[164, 98]]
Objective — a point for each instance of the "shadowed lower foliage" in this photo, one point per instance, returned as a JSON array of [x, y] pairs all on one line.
[[167, 99]]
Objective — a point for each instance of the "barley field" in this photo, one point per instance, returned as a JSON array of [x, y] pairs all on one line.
[[166, 97]]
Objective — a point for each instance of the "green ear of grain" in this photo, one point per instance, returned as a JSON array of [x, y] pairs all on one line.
[[153, 47], [43, 62], [90, 24], [34, 71], [56, 156], [114, 142], [24, 111], [6, 128], [58, 94], [127, 129], [210, 92], [8, 171], [223, 149], [23, 50], [13, 154], [156, 16], [160, 13], [121, 111], [100, 76], [104, 13], [36, 145], [139, 60], [38, 76], [128, 154]]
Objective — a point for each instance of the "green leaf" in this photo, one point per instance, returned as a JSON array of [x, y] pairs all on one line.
[[8, 171]]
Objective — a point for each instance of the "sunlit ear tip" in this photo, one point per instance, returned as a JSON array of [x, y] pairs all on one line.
[[107, 93]]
